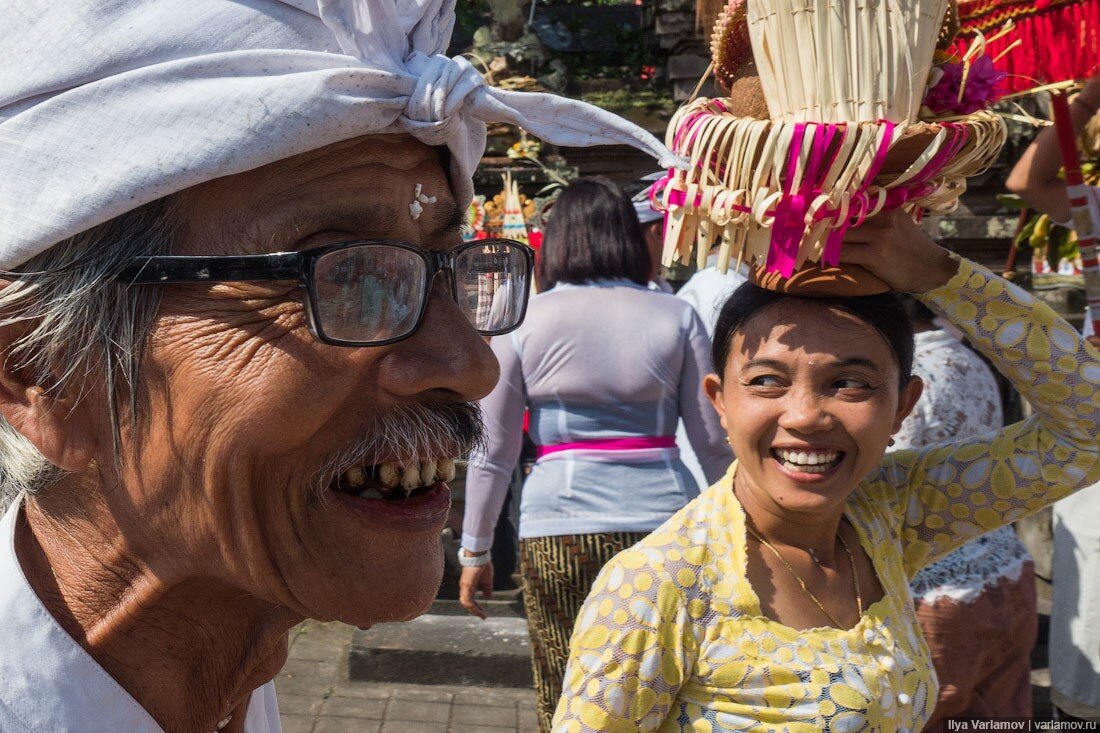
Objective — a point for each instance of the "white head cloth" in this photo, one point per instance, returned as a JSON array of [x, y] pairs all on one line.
[[106, 105]]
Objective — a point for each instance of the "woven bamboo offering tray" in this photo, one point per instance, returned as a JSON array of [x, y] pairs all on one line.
[[843, 82]]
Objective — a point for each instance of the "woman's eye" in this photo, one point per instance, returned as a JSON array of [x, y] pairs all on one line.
[[851, 384]]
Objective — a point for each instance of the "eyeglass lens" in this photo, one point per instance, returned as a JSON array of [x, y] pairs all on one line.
[[492, 285], [376, 292]]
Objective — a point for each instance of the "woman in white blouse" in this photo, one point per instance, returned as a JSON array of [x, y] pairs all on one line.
[[606, 368]]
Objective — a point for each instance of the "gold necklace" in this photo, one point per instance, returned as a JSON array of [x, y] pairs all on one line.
[[851, 561]]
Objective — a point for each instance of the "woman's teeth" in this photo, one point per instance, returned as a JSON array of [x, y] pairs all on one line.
[[808, 461], [392, 475]]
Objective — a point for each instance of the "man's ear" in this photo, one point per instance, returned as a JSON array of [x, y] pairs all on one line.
[[909, 396], [62, 431], [712, 386]]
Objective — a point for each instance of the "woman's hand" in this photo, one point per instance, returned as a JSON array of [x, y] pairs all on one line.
[[895, 249], [470, 582]]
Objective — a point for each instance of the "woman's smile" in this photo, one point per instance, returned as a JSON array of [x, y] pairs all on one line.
[[807, 464]]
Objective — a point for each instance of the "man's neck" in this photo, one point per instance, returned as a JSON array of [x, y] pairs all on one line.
[[189, 649]]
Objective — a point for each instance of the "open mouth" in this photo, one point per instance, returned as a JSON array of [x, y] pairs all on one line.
[[394, 481], [807, 460]]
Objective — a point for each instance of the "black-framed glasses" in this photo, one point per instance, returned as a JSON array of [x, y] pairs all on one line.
[[371, 292]]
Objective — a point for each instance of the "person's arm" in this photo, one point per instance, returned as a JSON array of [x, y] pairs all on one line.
[[490, 469], [701, 422], [1035, 176], [647, 630], [949, 494]]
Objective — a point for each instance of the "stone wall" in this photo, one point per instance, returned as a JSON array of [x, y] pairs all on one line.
[[690, 54]]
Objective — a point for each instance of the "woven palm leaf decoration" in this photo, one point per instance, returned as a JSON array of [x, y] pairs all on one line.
[[843, 82]]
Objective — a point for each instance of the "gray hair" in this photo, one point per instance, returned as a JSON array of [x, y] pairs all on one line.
[[80, 325]]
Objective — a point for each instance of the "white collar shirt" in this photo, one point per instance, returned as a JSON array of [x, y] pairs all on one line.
[[50, 684], [707, 290]]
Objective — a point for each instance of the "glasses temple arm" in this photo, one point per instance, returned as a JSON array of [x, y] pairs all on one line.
[[233, 268]]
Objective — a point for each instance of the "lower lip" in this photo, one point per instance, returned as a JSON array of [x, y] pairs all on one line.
[[804, 477], [425, 511]]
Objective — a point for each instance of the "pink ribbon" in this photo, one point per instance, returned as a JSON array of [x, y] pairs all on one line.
[[830, 254], [789, 226], [611, 444]]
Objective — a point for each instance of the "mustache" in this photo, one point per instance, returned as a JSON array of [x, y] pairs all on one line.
[[408, 432]]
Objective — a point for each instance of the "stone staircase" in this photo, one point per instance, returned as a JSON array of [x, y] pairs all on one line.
[[448, 646]]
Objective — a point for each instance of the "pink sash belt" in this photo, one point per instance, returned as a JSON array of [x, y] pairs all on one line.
[[611, 444]]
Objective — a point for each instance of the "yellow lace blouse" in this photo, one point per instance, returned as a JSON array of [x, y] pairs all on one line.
[[672, 638]]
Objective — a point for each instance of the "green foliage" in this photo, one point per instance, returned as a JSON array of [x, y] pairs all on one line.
[[471, 15], [626, 99]]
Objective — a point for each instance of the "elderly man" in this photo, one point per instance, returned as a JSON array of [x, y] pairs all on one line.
[[241, 338]]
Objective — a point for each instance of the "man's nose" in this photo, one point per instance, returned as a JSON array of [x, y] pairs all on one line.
[[446, 355]]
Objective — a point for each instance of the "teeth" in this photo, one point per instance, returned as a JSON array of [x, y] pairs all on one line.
[[388, 475], [392, 475], [410, 479], [807, 458], [428, 472], [447, 470]]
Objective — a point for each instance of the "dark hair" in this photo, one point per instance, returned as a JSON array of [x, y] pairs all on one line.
[[917, 311], [593, 233], [883, 312]]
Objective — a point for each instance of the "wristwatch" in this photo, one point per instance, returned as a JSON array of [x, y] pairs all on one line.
[[474, 561]]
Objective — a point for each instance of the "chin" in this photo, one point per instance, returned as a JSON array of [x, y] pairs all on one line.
[[813, 494], [799, 500], [397, 587]]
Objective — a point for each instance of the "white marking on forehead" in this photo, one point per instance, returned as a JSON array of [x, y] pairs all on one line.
[[416, 208]]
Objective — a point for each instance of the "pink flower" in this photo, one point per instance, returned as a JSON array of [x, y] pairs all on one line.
[[980, 92]]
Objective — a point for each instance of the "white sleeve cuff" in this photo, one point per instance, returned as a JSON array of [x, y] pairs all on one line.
[[476, 544]]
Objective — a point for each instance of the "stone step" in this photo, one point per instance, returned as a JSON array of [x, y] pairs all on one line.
[[498, 607], [443, 649]]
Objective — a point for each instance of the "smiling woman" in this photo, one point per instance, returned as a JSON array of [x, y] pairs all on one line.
[[779, 599]]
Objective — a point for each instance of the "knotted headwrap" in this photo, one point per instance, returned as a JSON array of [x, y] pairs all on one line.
[[106, 105]]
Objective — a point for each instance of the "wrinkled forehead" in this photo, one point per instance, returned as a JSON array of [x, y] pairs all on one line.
[[362, 186]]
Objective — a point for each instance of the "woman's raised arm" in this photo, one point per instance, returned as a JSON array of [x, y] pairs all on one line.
[[952, 493], [946, 495]]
